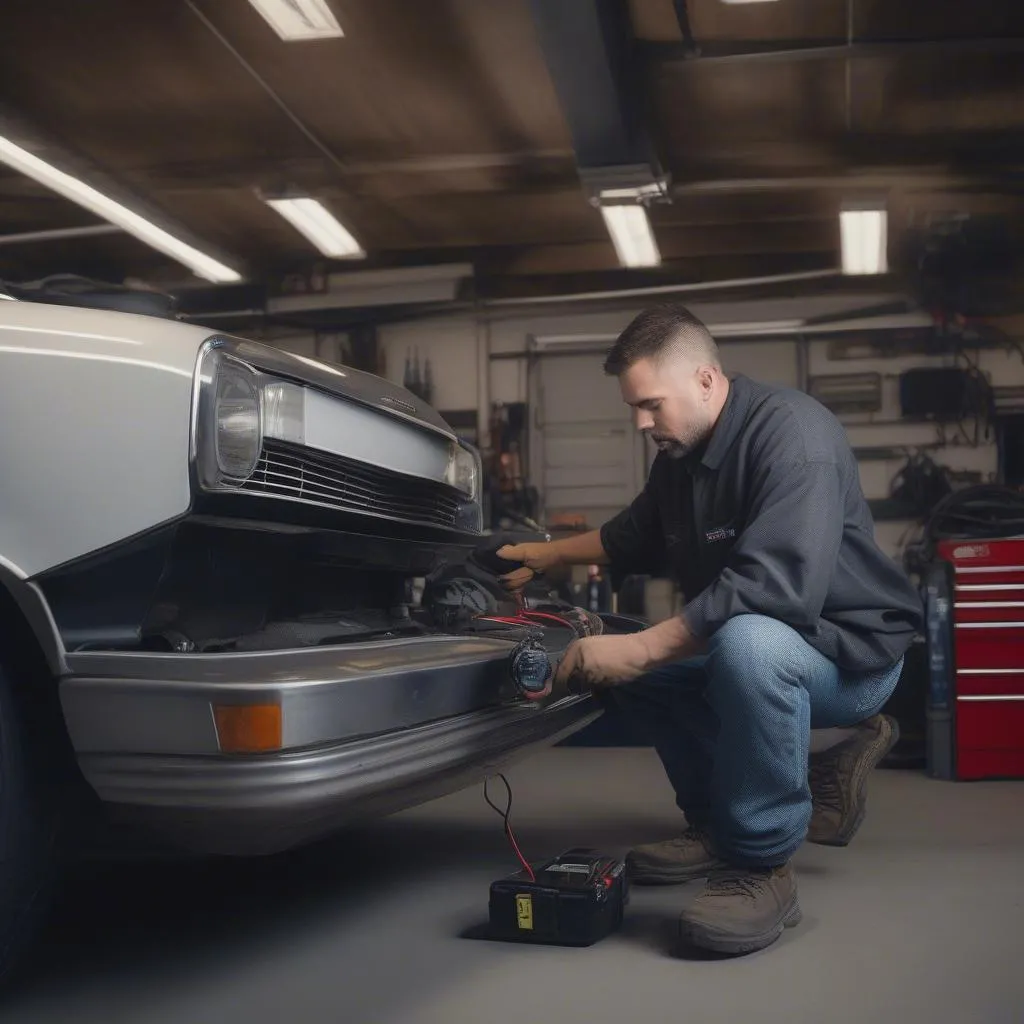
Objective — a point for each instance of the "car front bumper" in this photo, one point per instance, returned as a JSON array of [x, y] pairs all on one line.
[[366, 730]]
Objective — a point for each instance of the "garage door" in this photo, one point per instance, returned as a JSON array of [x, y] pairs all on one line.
[[589, 460]]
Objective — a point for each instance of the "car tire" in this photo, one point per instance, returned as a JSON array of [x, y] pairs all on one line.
[[28, 825]]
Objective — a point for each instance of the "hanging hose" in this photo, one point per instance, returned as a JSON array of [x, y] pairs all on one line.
[[982, 511]]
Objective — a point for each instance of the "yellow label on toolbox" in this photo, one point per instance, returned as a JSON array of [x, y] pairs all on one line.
[[524, 912]]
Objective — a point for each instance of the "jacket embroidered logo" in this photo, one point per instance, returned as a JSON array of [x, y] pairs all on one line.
[[722, 533]]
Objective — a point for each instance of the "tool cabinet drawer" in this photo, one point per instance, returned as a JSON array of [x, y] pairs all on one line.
[[990, 737], [989, 644], [981, 682], [994, 610]]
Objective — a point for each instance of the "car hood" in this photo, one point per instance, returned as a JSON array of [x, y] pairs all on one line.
[[343, 381], [166, 343]]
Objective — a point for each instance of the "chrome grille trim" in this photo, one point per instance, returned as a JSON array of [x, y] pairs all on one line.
[[301, 474]]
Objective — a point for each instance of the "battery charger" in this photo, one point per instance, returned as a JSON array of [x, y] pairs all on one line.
[[575, 899]]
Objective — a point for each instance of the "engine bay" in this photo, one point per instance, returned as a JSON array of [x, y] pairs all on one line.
[[221, 587]]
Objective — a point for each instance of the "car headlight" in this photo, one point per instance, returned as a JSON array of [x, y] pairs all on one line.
[[230, 420], [284, 411], [464, 471]]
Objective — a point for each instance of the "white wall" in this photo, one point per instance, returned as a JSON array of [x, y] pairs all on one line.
[[460, 347], [452, 347], [328, 346], [299, 344], [466, 377]]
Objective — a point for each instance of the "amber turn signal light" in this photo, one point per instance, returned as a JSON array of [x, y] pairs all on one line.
[[248, 728]]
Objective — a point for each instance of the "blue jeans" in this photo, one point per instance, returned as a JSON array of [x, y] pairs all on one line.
[[732, 729]]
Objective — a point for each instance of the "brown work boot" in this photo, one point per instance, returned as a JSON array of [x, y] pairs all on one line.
[[838, 778], [741, 910], [674, 860]]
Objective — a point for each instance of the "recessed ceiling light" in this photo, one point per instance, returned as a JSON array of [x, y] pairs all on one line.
[[864, 233], [103, 206], [319, 225], [298, 20], [631, 234]]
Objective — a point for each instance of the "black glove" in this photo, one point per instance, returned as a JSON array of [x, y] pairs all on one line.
[[485, 557]]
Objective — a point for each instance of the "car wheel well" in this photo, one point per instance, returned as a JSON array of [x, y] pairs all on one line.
[[35, 688]]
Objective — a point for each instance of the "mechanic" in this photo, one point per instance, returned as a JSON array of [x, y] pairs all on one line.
[[794, 619]]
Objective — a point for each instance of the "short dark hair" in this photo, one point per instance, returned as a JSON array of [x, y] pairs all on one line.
[[654, 331]]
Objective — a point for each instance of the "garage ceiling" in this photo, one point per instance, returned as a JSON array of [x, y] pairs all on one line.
[[446, 132]]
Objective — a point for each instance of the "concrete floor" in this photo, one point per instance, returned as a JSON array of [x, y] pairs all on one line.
[[919, 920]]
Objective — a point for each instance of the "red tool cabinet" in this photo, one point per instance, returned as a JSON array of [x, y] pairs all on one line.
[[987, 671]]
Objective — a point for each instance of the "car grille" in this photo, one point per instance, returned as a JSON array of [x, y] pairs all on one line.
[[292, 471]]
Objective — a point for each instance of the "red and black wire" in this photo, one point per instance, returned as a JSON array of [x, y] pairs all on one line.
[[506, 815], [525, 618]]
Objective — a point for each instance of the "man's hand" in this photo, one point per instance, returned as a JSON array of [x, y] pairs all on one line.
[[536, 558], [601, 661], [596, 662]]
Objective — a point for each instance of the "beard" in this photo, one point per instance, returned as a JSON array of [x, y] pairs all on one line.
[[678, 447], [672, 447]]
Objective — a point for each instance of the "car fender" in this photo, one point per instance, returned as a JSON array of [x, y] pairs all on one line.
[[94, 430], [28, 608]]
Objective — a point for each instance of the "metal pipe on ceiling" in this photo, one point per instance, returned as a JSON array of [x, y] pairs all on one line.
[[849, 65], [685, 29], [481, 306], [227, 314], [773, 329], [665, 289], [268, 89], [873, 178], [798, 331], [58, 234]]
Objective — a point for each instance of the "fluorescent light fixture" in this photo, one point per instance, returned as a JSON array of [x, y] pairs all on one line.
[[312, 219], [754, 328], [103, 206], [9, 298], [864, 232], [298, 20], [631, 235], [653, 190]]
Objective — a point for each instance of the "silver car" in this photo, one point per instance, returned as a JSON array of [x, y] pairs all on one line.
[[207, 549]]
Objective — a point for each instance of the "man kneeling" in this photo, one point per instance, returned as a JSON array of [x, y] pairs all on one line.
[[794, 620]]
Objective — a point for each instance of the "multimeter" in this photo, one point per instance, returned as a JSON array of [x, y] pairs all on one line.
[[575, 899], [530, 666]]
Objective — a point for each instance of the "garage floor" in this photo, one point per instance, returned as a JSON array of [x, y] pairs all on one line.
[[919, 920]]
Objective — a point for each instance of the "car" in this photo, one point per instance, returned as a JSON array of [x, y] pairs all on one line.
[[211, 553]]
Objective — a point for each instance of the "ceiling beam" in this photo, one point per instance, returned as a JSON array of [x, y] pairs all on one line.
[[698, 271], [426, 175], [829, 159], [769, 235], [866, 178], [720, 54], [676, 246], [243, 172]]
